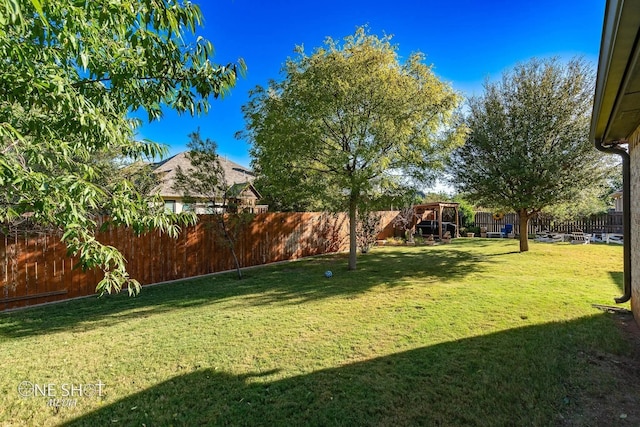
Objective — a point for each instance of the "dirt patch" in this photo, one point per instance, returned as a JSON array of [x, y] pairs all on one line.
[[613, 395]]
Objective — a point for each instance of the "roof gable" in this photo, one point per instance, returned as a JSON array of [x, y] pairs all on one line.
[[236, 190]]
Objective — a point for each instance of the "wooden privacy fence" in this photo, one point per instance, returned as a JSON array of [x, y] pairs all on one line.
[[35, 269], [604, 223]]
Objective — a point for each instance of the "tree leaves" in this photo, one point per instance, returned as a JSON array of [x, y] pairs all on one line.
[[206, 181], [351, 115], [528, 145], [350, 120], [72, 74]]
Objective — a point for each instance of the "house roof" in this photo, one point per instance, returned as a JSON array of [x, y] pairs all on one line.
[[236, 190], [616, 112], [233, 172]]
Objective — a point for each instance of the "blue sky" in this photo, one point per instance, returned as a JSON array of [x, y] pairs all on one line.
[[466, 41]]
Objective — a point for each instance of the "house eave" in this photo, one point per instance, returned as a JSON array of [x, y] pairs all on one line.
[[615, 111]]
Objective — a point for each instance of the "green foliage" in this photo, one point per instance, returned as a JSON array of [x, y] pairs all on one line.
[[613, 184], [588, 201], [142, 176], [205, 181], [466, 209], [72, 74], [434, 197], [528, 145], [283, 195], [473, 229], [349, 121]]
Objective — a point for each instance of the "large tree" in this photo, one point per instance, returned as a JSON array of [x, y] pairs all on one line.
[[349, 121], [528, 144], [72, 75]]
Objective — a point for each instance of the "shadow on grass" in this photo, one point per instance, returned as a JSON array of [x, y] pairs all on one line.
[[291, 283], [618, 278], [538, 375]]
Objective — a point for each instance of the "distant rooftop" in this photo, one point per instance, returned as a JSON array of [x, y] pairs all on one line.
[[234, 173]]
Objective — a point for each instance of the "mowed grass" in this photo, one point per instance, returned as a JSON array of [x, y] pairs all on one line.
[[472, 333]]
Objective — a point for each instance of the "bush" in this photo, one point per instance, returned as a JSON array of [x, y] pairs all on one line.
[[473, 229]]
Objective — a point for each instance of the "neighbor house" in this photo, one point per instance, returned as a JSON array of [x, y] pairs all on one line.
[[617, 200], [239, 179], [615, 125]]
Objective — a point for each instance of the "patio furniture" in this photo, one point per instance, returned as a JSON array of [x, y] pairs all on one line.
[[579, 238], [507, 231], [615, 238], [549, 237], [447, 237]]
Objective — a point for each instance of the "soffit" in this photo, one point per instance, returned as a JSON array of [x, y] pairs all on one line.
[[616, 111]]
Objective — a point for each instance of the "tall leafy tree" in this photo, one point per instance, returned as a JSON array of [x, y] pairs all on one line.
[[348, 121], [587, 201], [528, 145], [72, 75]]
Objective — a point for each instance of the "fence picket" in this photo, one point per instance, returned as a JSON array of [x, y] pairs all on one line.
[[604, 223], [155, 257]]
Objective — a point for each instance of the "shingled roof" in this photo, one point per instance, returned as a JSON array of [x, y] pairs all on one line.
[[234, 173]]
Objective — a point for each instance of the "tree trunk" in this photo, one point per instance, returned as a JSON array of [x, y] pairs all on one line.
[[524, 230], [353, 244], [231, 244]]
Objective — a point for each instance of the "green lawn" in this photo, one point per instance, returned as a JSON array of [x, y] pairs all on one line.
[[472, 333]]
